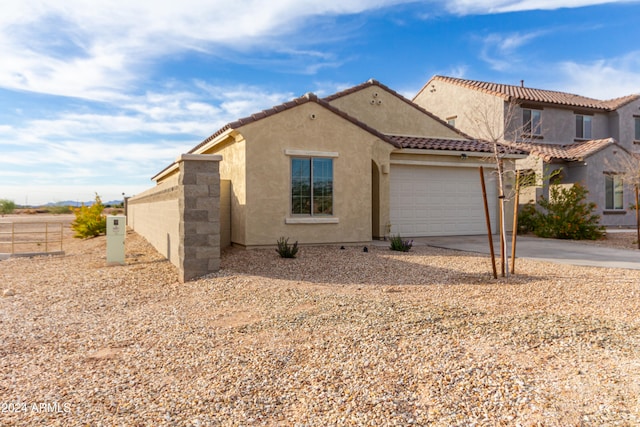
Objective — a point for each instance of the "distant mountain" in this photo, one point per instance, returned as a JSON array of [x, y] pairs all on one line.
[[77, 204], [69, 203]]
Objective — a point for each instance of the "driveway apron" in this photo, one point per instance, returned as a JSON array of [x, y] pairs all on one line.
[[551, 250]]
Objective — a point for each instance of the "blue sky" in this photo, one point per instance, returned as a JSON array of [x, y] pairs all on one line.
[[99, 96]]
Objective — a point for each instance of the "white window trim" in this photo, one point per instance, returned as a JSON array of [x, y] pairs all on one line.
[[307, 153], [304, 219], [312, 220]]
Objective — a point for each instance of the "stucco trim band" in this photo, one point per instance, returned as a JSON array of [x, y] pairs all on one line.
[[332, 220], [308, 153]]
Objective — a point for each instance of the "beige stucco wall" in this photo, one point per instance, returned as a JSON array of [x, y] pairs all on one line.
[[225, 213], [233, 169], [261, 199], [471, 109], [268, 185], [389, 114]]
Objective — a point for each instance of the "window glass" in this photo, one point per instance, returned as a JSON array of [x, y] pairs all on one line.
[[312, 186], [613, 192], [322, 186], [637, 137], [531, 121], [300, 186], [583, 127]]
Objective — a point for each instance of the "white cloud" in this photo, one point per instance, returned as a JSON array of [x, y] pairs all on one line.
[[602, 79], [95, 50], [121, 145], [500, 51], [467, 7]]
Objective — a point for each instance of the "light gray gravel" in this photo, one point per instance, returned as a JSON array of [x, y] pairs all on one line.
[[335, 337]]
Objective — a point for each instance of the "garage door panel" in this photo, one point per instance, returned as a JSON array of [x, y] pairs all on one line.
[[437, 201]]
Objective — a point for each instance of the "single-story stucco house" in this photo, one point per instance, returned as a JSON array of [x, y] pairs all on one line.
[[358, 165]]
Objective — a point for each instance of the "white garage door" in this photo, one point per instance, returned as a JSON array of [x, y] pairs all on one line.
[[440, 201]]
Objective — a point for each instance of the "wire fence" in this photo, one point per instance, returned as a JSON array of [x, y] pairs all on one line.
[[31, 237]]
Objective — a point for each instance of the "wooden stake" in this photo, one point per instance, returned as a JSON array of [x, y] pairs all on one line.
[[637, 216], [502, 242], [515, 224], [488, 219]]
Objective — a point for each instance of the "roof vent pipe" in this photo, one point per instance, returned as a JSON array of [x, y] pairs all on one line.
[[521, 83]]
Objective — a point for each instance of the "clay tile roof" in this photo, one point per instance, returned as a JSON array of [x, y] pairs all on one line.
[[577, 151], [309, 97], [520, 93], [468, 145]]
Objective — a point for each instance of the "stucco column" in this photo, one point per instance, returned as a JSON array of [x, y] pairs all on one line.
[[199, 206]]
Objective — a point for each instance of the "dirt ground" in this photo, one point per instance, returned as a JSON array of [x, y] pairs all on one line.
[[333, 337]]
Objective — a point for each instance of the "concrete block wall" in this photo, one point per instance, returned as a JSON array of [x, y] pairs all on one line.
[[181, 218], [155, 215]]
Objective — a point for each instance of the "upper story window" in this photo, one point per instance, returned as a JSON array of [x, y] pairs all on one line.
[[583, 126], [531, 121], [637, 132], [311, 186]]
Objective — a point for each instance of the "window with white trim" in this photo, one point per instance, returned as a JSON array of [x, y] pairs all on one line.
[[531, 121], [583, 126], [312, 186], [613, 191]]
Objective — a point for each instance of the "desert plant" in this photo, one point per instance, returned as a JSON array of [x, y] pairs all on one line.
[[285, 249], [89, 220], [397, 244], [566, 215], [527, 218], [7, 206]]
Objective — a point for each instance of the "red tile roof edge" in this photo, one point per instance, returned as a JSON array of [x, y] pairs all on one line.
[[576, 151], [468, 145], [523, 93]]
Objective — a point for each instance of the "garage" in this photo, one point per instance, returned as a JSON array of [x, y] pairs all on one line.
[[439, 200]]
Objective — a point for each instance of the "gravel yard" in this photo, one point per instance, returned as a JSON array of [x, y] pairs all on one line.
[[334, 337]]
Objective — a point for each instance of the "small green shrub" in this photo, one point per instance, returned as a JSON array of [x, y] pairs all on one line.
[[89, 220], [285, 250], [565, 215], [397, 244], [7, 206], [527, 218]]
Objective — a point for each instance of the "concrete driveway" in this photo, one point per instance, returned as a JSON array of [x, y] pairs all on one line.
[[552, 250]]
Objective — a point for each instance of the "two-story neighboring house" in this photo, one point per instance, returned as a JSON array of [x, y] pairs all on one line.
[[586, 139]]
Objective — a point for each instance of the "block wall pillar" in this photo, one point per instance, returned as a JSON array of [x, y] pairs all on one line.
[[199, 213]]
